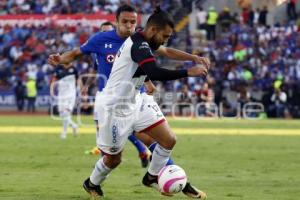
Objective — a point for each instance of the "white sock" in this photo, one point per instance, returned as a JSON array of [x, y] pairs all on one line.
[[160, 157], [71, 122], [100, 172], [65, 126]]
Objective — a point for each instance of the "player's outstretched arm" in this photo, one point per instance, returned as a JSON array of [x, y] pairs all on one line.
[[176, 54], [141, 54], [161, 74], [65, 58]]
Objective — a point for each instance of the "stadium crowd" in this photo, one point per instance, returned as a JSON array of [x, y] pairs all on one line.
[[251, 60], [75, 6], [256, 63]]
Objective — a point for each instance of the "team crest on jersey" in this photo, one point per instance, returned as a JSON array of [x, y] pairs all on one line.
[[144, 45], [110, 58]]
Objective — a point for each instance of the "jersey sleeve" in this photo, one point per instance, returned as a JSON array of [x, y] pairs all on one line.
[[142, 54], [93, 44]]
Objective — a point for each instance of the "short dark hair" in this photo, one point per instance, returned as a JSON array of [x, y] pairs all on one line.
[[161, 19], [107, 23], [124, 8]]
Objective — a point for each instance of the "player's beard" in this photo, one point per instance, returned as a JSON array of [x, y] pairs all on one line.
[[154, 44], [127, 33], [124, 33]]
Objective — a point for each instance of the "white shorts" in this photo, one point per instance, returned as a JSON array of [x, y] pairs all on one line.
[[114, 130], [66, 105], [96, 105]]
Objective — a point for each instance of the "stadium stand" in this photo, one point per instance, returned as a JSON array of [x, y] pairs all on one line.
[[251, 61]]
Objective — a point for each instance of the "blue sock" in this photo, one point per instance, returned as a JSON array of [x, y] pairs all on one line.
[[152, 147], [137, 143]]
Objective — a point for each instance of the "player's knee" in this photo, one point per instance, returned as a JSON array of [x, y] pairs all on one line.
[[146, 139], [65, 114], [112, 161], [115, 163], [170, 143]]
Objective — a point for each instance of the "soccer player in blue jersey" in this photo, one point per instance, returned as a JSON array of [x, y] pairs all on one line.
[[105, 45]]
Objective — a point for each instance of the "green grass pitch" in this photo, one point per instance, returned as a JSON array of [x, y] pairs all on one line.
[[226, 166]]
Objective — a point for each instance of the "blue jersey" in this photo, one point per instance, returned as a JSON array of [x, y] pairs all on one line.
[[103, 46]]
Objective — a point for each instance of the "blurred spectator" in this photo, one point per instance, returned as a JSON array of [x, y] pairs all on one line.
[[20, 94], [184, 100], [86, 105], [201, 18], [240, 52], [212, 18], [187, 4], [291, 10], [146, 7], [251, 17], [278, 103], [31, 94], [225, 19], [112, 6], [5, 70], [262, 19], [236, 18], [256, 16], [243, 97], [246, 15], [226, 109], [206, 97]]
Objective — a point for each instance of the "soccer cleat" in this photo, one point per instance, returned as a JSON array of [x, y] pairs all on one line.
[[144, 159], [63, 136], [193, 192], [151, 181], [94, 190]]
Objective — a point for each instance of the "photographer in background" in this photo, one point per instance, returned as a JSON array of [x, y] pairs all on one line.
[[278, 104]]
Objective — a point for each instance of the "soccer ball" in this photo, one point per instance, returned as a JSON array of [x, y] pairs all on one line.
[[171, 179]]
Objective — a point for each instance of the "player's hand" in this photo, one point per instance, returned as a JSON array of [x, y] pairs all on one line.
[[54, 59], [197, 71], [150, 87], [202, 60]]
